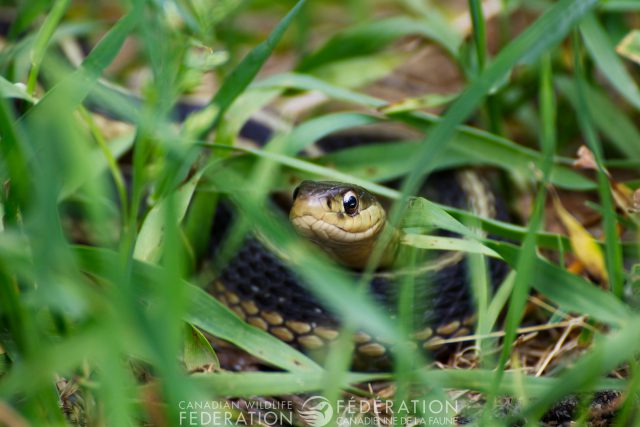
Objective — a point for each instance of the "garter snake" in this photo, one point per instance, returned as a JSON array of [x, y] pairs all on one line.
[[345, 220]]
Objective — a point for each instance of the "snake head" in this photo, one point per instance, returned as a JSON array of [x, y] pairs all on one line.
[[343, 219]]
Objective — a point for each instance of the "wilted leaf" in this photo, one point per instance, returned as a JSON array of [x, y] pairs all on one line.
[[636, 201], [584, 245], [623, 196], [585, 159]]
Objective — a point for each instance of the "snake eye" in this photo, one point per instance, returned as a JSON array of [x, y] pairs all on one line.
[[350, 203]]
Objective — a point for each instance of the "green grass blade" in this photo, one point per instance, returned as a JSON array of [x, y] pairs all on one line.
[[525, 264], [603, 53], [613, 250], [240, 78], [14, 164], [369, 38], [10, 90], [70, 92], [312, 130], [544, 33], [608, 353], [204, 311], [247, 384], [470, 145], [575, 295], [42, 41], [607, 117]]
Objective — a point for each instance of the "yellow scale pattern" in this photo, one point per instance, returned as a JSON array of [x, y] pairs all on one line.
[[311, 337]]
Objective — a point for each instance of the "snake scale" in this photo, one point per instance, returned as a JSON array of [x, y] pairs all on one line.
[[260, 288]]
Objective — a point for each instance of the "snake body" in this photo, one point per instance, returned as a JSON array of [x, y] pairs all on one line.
[[260, 288]]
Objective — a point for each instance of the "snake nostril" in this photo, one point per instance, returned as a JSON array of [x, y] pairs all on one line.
[[296, 192]]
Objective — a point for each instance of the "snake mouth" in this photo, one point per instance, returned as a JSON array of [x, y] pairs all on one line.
[[324, 230]]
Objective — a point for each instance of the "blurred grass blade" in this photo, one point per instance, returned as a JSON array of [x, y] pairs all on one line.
[[608, 353], [422, 213], [469, 146], [314, 129], [149, 242], [610, 119], [247, 384], [319, 171], [434, 243], [544, 33], [11, 90], [72, 90], [487, 148], [13, 164], [197, 352], [204, 311], [42, 41], [613, 250], [603, 53], [430, 100], [629, 47], [310, 83], [240, 78], [620, 5], [361, 71], [525, 266], [369, 38], [575, 295]]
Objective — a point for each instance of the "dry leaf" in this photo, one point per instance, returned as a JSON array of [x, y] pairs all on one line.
[[585, 159], [635, 203], [622, 195]]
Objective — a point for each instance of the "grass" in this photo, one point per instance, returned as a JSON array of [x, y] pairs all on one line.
[[100, 325]]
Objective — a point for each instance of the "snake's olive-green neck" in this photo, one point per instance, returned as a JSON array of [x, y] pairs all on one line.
[[345, 220]]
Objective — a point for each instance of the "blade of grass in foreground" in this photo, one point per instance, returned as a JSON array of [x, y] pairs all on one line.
[[14, 165], [247, 384], [615, 125], [240, 78], [372, 37], [42, 41], [275, 383], [527, 257], [603, 53], [206, 312], [74, 88], [610, 224], [575, 295], [544, 33], [469, 143]]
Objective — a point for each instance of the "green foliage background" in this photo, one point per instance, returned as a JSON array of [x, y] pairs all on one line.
[[98, 314]]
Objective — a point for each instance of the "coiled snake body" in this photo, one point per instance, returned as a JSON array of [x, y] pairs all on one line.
[[345, 220]]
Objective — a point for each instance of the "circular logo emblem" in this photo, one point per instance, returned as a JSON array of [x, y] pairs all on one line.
[[316, 411]]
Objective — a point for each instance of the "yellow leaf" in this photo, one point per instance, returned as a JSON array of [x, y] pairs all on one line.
[[584, 246]]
